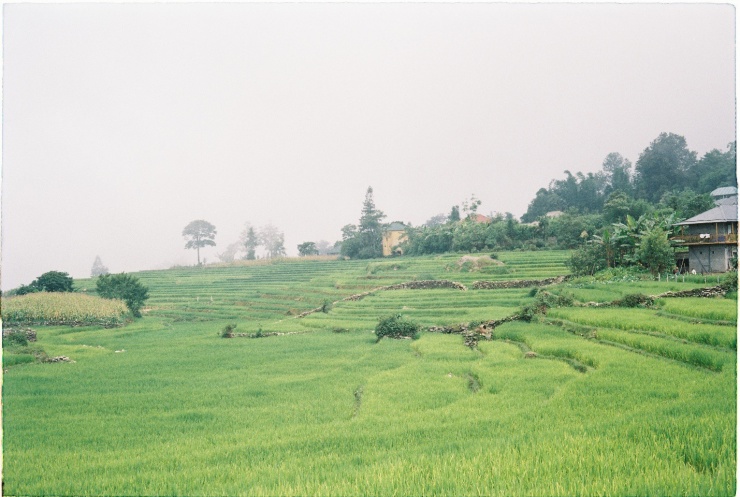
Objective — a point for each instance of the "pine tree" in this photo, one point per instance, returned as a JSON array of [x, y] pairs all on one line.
[[370, 229], [98, 269], [250, 244]]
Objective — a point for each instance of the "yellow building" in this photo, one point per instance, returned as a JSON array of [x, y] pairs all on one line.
[[393, 236]]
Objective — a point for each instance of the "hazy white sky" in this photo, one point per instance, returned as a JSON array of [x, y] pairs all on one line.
[[124, 122]]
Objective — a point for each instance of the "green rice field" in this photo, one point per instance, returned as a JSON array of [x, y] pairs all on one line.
[[582, 401]]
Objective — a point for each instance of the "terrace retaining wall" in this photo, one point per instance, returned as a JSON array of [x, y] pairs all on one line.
[[494, 285]]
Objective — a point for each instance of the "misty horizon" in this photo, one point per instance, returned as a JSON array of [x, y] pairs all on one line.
[[124, 122]]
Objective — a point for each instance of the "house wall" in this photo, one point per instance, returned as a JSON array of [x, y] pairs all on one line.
[[711, 258], [723, 228], [392, 239]]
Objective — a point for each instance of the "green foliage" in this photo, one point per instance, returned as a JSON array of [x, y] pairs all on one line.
[[543, 302], [729, 281], [396, 326], [17, 338], [272, 239], [307, 248], [251, 242], [51, 281], [587, 260], [663, 166], [200, 233], [635, 300], [54, 281], [655, 251], [365, 241], [454, 214], [98, 268], [124, 287], [687, 203], [715, 169], [228, 331]]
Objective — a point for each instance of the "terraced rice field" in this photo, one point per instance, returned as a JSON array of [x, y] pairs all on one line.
[[583, 401]]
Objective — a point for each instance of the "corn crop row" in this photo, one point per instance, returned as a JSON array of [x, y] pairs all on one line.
[[63, 309]]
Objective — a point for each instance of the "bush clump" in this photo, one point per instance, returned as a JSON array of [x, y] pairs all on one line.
[[396, 326], [729, 281], [228, 331], [18, 338], [124, 287], [635, 300], [543, 302]]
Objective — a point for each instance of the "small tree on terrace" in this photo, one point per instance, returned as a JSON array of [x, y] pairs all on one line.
[[124, 287], [370, 230], [655, 251], [201, 234], [272, 240], [53, 281], [251, 242], [307, 248]]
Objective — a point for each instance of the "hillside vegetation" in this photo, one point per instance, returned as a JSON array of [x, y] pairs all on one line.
[[578, 401]]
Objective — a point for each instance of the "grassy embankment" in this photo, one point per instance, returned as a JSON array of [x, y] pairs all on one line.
[[180, 410]]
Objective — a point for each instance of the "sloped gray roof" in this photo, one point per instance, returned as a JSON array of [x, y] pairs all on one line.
[[720, 214], [726, 201], [724, 190], [396, 226]]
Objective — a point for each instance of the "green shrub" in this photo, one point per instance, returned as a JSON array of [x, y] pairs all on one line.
[[228, 331], [543, 302], [587, 260], [635, 300], [396, 326], [124, 287], [729, 281], [15, 338]]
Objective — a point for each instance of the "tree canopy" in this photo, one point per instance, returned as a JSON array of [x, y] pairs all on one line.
[[124, 287], [98, 268], [199, 234], [307, 248], [365, 240]]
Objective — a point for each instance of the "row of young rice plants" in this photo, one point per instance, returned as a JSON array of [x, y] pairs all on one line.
[[647, 321], [427, 308], [702, 308], [608, 291]]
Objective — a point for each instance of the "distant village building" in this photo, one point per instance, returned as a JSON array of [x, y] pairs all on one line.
[[479, 218], [393, 236], [711, 237]]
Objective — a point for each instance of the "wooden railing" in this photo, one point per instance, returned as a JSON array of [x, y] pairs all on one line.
[[699, 239]]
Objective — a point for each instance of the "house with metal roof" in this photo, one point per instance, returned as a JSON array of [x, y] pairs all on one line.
[[724, 192], [393, 235], [711, 238]]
